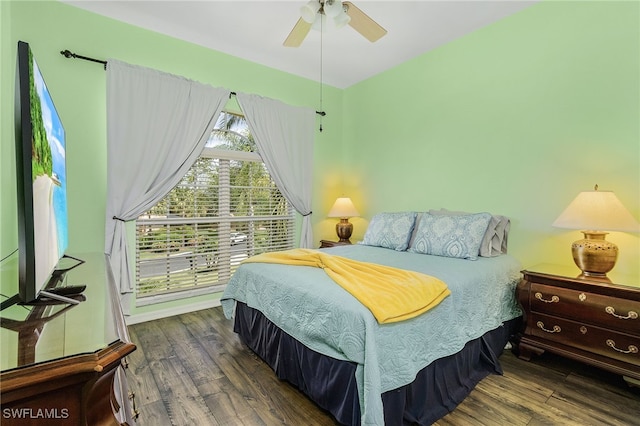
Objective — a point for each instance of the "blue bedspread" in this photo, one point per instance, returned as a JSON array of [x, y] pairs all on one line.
[[308, 305]]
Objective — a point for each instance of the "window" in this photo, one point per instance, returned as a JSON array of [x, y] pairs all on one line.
[[225, 209]]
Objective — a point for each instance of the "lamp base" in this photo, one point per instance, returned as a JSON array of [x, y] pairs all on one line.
[[594, 255], [344, 229]]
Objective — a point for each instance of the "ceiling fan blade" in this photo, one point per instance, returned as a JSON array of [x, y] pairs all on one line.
[[297, 34], [363, 24]]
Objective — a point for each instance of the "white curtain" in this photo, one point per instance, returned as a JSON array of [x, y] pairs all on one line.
[[157, 126], [284, 136]]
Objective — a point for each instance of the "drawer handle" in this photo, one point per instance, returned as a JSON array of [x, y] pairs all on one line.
[[556, 328], [136, 412], [611, 310], [632, 348], [554, 299]]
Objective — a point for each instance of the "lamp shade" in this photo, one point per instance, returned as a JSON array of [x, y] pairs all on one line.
[[341, 20], [597, 210], [309, 11], [332, 8], [343, 208]]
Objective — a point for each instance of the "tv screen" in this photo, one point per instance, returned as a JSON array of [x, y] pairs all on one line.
[[41, 175]]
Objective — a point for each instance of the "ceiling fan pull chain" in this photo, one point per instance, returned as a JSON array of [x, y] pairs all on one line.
[[321, 37]]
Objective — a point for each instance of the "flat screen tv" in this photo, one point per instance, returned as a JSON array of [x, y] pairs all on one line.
[[41, 176]]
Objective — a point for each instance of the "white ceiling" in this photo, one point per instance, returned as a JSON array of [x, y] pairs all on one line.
[[254, 30]]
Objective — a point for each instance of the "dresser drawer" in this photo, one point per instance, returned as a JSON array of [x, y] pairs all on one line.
[[611, 344], [610, 312]]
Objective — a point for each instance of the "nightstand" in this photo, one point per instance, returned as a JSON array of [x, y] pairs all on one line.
[[328, 243], [588, 319]]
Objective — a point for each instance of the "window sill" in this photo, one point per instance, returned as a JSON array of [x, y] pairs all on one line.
[[178, 295]]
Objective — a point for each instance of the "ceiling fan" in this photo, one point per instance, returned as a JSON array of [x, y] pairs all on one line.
[[329, 14]]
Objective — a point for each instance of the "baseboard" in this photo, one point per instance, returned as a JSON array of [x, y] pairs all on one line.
[[164, 313]]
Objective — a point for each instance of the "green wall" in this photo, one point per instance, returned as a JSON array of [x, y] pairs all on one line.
[[516, 119], [8, 213]]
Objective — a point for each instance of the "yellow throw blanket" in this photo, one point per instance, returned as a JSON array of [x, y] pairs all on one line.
[[391, 294]]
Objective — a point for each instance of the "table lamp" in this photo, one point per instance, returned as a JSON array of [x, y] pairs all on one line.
[[594, 212], [344, 209]]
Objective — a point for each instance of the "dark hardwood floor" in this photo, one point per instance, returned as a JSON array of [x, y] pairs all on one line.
[[191, 369]]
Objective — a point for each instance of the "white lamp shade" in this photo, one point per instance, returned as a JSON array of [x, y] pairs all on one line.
[[331, 17], [332, 8], [309, 11], [597, 211], [324, 23], [341, 20], [343, 208]]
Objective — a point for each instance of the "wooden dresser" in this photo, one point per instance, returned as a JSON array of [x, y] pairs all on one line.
[[64, 364], [592, 320]]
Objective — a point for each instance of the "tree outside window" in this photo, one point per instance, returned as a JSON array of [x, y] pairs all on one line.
[[225, 209]]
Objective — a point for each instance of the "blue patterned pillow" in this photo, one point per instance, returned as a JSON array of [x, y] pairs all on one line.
[[390, 230], [451, 236]]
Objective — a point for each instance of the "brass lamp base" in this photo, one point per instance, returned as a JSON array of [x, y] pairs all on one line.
[[594, 255], [344, 229]]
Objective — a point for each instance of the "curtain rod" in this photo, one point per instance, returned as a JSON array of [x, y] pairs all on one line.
[[68, 54]]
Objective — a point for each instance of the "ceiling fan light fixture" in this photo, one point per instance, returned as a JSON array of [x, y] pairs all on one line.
[[332, 8], [331, 15], [325, 24], [328, 15], [321, 23], [309, 11], [341, 20]]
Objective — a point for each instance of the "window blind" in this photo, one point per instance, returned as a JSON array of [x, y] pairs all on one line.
[[225, 209]]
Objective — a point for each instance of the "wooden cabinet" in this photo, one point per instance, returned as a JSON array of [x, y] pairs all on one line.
[[592, 320], [63, 364], [329, 243]]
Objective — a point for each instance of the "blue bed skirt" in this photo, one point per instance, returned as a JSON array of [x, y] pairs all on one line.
[[330, 383]]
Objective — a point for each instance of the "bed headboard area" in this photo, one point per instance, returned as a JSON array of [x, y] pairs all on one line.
[[441, 233]]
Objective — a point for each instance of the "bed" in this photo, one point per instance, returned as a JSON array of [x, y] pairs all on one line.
[[319, 337]]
